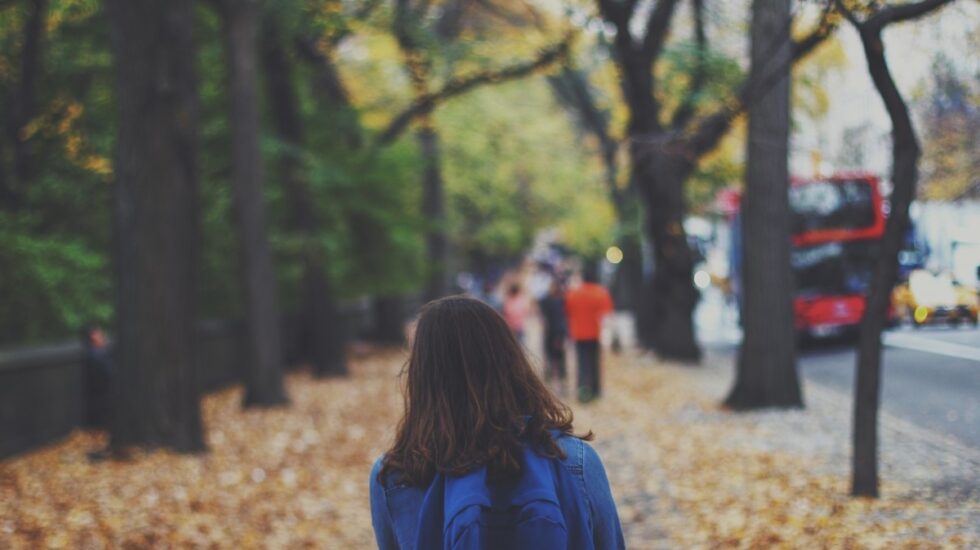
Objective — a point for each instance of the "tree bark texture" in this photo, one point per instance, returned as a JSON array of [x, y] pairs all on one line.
[[328, 87], [434, 211], [406, 28], [323, 338], [663, 157], [669, 296], [766, 367], [571, 87], [390, 314], [665, 312], [23, 105], [156, 217], [263, 360], [905, 174]]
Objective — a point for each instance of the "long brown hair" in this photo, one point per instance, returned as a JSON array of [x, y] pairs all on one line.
[[471, 398]]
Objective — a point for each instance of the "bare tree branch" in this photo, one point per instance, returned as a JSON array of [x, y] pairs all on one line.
[[572, 88], [327, 81], [685, 111], [905, 158], [460, 85], [657, 29], [618, 13], [402, 25], [450, 21], [847, 13], [904, 12], [870, 31], [712, 127]]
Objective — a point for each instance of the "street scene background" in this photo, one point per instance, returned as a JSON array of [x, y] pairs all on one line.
[[219, 220]]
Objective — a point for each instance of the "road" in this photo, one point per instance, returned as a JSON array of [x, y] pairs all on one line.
[[924, 381], [930, 376]]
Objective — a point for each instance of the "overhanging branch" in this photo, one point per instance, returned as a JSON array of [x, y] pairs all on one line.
[[360, 14], [657, 28], [460, 85], [327, 80], [685, 111], [904, 12], [618, 13], [712, 127], [870, 31], [572, 89]]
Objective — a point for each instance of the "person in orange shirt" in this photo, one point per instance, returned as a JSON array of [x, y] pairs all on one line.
[[585, 306]]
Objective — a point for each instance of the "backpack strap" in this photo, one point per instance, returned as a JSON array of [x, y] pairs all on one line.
[[431, 523], [460, 492]]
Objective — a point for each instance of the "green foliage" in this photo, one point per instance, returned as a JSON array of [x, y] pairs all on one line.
[[722, 75], [50, 286], [521, 171], [56, 246], [513, 166], [369, 201], [711, 176], [55, 230], [219, 279], [366, 200]]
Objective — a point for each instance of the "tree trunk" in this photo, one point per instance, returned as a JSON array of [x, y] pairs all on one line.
[[434, 211], [329, 89], [157, 231], [263, 359], [766, 369], [323, 338], [389, 319], [669, 296], [571, 88], [326, 331], [629, 275], [905, 158], [663, 158], [23, 104]]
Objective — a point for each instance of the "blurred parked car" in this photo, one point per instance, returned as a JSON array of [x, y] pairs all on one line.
[[927, 298]]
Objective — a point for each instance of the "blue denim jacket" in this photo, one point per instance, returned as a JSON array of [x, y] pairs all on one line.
[[395, 508]]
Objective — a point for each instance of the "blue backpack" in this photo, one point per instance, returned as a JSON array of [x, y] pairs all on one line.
[[542, 510]]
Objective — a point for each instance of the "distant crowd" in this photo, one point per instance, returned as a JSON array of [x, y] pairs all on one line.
[[568, 311]]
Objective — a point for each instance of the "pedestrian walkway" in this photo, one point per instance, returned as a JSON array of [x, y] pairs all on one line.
[[712, 478], [684, 473]]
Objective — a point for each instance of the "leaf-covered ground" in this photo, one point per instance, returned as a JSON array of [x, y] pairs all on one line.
[[685, 475]]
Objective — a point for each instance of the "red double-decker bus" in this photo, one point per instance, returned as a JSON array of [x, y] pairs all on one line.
[[837, 226]]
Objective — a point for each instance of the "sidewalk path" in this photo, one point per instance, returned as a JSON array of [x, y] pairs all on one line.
[[685, 474], [775, 479]]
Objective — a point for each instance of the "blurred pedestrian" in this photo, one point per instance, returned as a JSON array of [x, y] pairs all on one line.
[[97, 376], [552, 307], [485, 456], [516, 310], [97, 392], [586, 305]]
